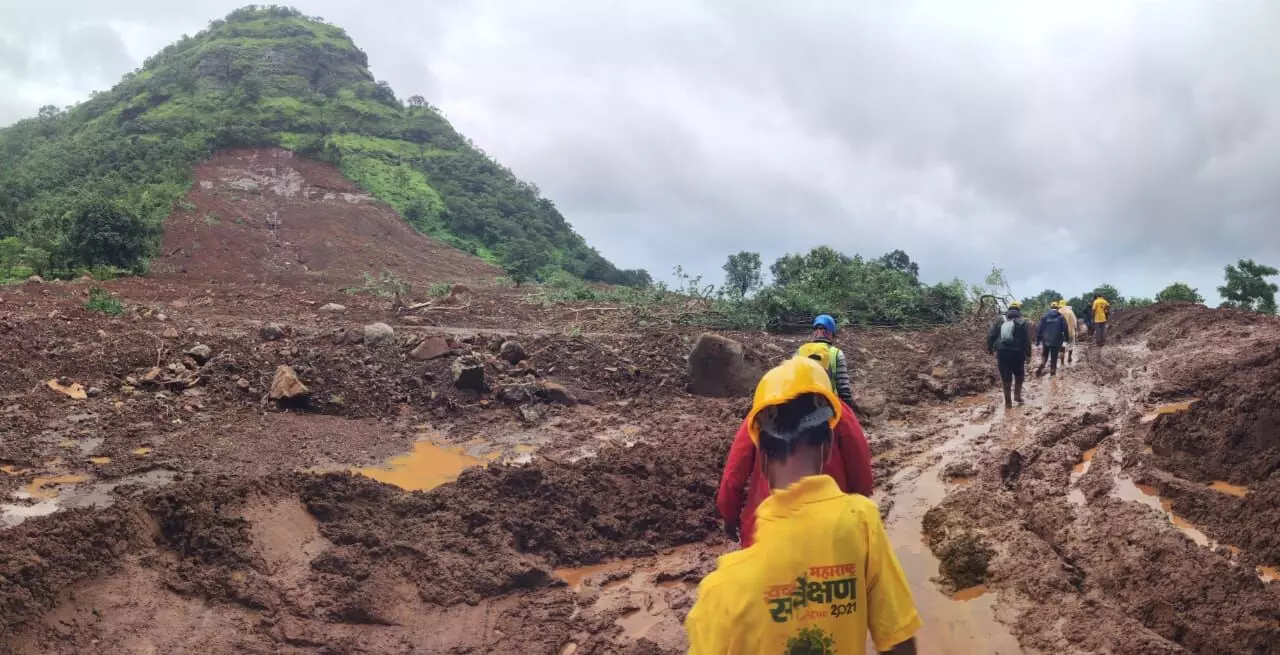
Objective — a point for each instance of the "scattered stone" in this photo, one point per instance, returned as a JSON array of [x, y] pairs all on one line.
[[93, 392], [333, 307], [558, 394], [200, 352], [102, 334], [468, 373], [379, 334], [242, 384], [512, 351], [940, 372], [431, 348], [68, 388], [530, 414], [35, 279], [286, 385], [271, 331], [170, 333], [717, 368], [873, 404], [161, 317], [959, 470], [412, 320], [514, 394]]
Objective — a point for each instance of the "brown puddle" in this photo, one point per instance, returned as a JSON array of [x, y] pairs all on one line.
[[575, 577], [1126, 489], [142, 452], [99, 460], [47, 488], [953, 625], [426, 467], [1171, 408], [1228, 488], [1082, 466]]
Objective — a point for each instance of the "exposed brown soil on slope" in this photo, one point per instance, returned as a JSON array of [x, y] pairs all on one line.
[[266, 215]]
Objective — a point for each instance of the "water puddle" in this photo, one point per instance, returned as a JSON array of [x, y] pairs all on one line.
[[100, 460], [1082, 466], [1074, 495], [1229, 489], [953, 625], [1171, 408], [1126, 489], [426, 467], [67, 491], [142, 452], [577, 577]]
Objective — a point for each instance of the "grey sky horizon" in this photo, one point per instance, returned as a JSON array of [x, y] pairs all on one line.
[[1123, 141]]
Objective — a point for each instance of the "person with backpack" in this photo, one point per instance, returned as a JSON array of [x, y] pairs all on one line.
[[1010, 341], [824, 335], [1051, 333]]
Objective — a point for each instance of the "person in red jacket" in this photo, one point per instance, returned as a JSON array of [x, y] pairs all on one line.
[[743, 487]]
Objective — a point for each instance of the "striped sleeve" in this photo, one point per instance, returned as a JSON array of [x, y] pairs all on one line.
[[844, 387]]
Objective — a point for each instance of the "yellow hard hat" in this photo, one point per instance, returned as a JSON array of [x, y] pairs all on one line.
[[1017, 304], [793, 378], [1062, 303], [818, 352]]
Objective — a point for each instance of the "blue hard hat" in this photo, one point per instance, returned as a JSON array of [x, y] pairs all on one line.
[[826, 322]]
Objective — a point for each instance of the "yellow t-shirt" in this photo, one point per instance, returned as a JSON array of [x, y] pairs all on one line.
[[820, 575], [1100, 306]]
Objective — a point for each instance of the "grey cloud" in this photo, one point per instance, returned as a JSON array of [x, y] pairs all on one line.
[[1121, 141]]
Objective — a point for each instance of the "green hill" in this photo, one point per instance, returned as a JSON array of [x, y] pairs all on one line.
[[90, 184]]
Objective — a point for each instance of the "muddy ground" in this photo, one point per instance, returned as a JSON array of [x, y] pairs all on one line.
[[155, 499]]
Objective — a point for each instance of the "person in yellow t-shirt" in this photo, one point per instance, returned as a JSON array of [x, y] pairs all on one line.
[[1101, 310], [821, 574]]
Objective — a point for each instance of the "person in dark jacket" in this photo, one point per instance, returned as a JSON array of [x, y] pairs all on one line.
[[1010, 341], [1050, 335]]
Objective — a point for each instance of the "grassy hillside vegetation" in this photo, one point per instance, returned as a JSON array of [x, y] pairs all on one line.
[[264, 76]]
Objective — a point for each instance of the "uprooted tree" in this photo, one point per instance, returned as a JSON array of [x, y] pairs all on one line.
[[1247, 287]]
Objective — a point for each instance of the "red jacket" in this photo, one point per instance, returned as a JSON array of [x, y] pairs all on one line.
[[849, 464]]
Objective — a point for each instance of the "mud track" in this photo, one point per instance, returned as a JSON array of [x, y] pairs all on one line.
[[154, 499]]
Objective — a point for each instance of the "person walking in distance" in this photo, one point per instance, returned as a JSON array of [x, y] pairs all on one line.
[[822, 575], [1101, 311], [1052, 332], [1073, 330], [1010, 341]]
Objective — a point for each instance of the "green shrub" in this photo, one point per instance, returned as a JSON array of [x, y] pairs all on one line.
[[101, 301]]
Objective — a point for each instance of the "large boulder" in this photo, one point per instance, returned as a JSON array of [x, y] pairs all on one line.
[[717, 367], [512, 351], [558, 394], [271, 331], [379, 334], [286, 385], [431, 348], [468, 373]]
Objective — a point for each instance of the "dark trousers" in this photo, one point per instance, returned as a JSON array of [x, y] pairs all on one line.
[[1013, 366], [1049, 355], [1100, 333]]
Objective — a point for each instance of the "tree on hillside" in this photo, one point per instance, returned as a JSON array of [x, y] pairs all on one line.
[[10, 255], [523, 259], [1134, 303], [1247, 287], [1179, 292], [742, 273], [417, 101], [102, 233], [899, 261], [1107, 291], [1038, 304]]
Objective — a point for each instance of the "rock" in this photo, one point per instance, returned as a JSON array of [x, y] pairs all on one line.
[[512, 351], [94, 392], [468, 373], [200, 352], [102, 334], [959, 470], [716, 367], [286, 385], [514, 394], [35, 279], [271, 331], [558, 394], [379, 334], [431, 348], [161, 317], [872, 404], [530, 414], [333, 307], [170, 332], [412, 320], [242, 384]]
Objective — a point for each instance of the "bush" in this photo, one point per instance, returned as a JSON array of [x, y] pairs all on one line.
[[101, 301]]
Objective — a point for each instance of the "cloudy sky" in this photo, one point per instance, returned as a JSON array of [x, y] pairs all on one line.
[[1071, 143]]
